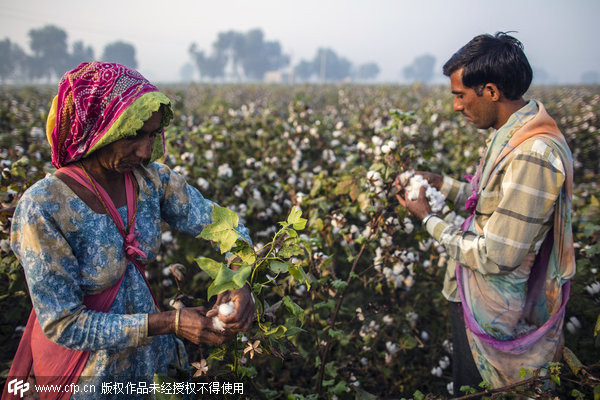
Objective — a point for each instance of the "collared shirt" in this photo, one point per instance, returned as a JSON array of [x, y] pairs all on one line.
[[514, 209]]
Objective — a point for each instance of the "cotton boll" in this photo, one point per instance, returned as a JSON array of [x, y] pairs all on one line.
[[450, 388], [226, 309], [444, 362], [218, 324], [436, 371], [412, 186]]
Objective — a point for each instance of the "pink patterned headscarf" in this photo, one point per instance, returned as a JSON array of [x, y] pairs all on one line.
[[90, 99]]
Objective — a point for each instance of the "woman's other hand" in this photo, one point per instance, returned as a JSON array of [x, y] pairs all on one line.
[[197, 327], [193, 325], [242, 316]]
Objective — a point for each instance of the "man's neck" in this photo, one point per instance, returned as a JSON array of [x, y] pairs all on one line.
[[506, 108]]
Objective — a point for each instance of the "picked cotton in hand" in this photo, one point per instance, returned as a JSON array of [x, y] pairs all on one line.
[[224, 310], [412, 186]]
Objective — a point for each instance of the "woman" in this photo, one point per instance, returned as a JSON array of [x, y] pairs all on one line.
[[84, 233]]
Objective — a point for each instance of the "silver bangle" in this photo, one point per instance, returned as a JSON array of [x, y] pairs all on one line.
[[429, 216]]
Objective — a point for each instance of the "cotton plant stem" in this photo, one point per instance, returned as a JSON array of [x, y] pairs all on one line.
[[503, 390], [339, 305]]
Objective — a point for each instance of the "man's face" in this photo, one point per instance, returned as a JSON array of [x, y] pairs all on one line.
[[481, 111]]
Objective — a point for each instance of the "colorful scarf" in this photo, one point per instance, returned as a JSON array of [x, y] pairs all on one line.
[[97, 104], [548, 284]]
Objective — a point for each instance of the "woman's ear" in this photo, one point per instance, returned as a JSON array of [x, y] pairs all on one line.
[[491, 90]]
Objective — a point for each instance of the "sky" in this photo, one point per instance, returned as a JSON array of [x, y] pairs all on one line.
[[560, 37]]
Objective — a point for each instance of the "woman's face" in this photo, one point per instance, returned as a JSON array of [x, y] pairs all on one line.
[[126, 154]]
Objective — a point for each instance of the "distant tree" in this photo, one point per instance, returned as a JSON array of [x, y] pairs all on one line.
[[230, 45], [186, 73], [540, 76], [368, 71], [120, 52], [249, 53], [260, 56], [590, 78], [326, 64], [421, 70], [7, 63], [212, 67], [50, 52], [304, 70], [81, 53]]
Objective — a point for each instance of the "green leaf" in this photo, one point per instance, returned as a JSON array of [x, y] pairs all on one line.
[[165, 381], [218, 354], [339, 388], [419, 396], [295, 220], [226, 216], [298, 273], [222, 230], [522, 373], [278, 266], [244, 371], [208, 265], [555, 379], [246, 253], [277, 332], [293, 330], [328, 382], [339, 284], [597, 328], [294, 308], [337, 334], [290, 248], [228, 279], [331, 369], [572, 360]]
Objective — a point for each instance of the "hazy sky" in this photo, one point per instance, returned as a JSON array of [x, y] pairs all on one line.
[[562, 37]]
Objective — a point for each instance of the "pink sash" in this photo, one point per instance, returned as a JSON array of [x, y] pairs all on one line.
[[61, 365]]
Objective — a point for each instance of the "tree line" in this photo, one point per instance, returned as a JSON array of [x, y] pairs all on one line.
[[50, 56], [234, 56]]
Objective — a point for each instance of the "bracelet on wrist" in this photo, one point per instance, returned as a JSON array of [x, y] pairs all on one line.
[[177, 315], [428, 216]]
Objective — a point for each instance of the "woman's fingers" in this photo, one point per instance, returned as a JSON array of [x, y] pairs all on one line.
[[242, 315]]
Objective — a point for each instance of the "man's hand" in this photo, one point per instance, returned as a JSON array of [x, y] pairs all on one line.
[[435, 180], [420, 207], [243, 313]]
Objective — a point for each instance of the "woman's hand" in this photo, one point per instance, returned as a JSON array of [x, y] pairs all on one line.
[[197, 327], [194, 326], [243, 313]]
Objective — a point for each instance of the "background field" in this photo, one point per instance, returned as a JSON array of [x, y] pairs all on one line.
[[374, 320]]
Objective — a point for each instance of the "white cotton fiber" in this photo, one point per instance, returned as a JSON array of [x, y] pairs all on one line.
[[224, 310], [412, 186]]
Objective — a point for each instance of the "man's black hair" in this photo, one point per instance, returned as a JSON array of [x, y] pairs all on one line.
[[497, 59]]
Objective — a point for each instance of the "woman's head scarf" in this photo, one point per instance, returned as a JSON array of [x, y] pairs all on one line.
[[97, 104]]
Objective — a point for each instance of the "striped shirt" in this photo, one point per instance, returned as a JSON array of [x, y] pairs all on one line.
[[514, 211]]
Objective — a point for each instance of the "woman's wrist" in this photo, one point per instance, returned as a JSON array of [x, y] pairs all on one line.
[[162, 323]]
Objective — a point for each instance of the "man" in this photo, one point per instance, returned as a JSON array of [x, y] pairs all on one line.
[[515, 253]]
